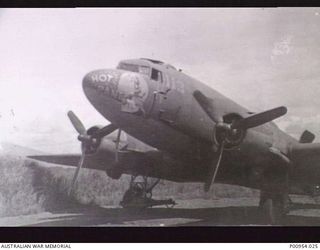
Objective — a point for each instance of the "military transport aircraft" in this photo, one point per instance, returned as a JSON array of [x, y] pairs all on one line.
[[167, 125]]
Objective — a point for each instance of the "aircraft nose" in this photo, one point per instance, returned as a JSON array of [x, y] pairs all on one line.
[[87, 82], [128, 88], [100, 80]]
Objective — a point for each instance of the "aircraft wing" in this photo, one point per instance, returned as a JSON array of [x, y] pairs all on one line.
[[62, 159], [130, 158], [131, 152], [301, 155], [306, 153]]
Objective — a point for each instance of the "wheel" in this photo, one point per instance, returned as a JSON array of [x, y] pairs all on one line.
[[171, 204], [134, 198], [114, 173]]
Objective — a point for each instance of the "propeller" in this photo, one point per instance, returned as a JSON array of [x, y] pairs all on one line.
[[89, 142], [76, 174], [259, 119], [237, 125], [214, 169], [117, 146]]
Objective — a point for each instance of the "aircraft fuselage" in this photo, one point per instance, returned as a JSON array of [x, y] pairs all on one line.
[[154, 103]]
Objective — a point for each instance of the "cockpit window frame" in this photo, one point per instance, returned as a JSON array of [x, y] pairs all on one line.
[[158, 73], [142, 69], [147, 68], [152, 72]]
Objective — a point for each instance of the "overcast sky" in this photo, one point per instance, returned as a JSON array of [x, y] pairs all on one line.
[[262, 58]]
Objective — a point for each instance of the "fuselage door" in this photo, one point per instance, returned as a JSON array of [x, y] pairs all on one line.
[[169, 99]]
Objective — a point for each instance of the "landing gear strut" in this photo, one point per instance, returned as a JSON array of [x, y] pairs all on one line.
[[139, 195], [274, 196], [273, 206]]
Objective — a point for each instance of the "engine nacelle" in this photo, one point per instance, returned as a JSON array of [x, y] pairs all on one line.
[[104, 150]]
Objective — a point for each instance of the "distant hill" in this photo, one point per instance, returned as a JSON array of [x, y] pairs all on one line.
[[13, 149]]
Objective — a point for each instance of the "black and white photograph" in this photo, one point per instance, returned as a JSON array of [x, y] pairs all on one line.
[[159, 117]]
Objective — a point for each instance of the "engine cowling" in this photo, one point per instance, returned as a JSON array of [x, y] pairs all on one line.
[[97, 141], [232, 137]]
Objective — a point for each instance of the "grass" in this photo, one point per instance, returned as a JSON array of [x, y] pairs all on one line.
[[28, 187], [17, 194]]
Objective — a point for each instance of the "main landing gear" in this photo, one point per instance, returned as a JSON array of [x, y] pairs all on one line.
[[274, 207], [274, 197], [139, 195]]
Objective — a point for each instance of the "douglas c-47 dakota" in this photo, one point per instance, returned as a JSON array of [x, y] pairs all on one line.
[[167, 125]]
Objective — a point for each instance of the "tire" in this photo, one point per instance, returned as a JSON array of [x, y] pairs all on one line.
[[114, 174]]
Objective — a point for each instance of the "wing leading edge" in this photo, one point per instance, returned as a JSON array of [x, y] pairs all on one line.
[[61, 159]]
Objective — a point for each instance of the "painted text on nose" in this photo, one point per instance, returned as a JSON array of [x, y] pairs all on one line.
[[101, 77]]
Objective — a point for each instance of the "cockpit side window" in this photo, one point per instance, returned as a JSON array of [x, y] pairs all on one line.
[[156, 75]]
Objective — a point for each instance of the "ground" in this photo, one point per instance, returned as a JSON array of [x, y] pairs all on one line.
[[196, 212], [36, 194]]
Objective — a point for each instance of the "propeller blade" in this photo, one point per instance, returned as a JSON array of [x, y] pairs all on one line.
[[77, 124], [206, 105], [76, 174], [214, 166], [259, 119], [105, 131], [117, 146]]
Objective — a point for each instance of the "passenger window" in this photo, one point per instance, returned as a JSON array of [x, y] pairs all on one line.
[[156, 75]]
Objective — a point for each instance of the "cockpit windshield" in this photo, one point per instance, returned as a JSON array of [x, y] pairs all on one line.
[[135, 68]]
